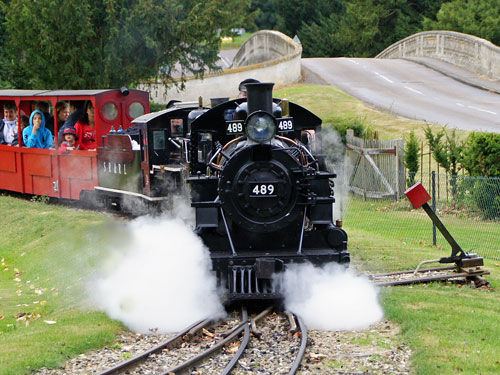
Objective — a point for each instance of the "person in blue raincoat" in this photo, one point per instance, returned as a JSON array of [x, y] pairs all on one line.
[[36, 135]]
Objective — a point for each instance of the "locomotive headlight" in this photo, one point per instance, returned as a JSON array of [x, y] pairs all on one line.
[[260, 126]]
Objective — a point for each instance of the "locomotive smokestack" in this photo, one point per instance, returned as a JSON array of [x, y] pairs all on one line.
[[260, 97]]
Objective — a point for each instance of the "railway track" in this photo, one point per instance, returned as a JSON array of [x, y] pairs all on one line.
[[212, 339], [473, 275]]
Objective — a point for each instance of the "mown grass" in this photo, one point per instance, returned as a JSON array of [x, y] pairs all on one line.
[[46, 254], [407, 226], [451, 329]]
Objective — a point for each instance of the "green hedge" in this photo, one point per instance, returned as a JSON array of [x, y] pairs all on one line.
[[481, 154]]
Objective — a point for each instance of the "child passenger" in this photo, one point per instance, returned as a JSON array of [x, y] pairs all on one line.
[[70, 139], [36, 135]]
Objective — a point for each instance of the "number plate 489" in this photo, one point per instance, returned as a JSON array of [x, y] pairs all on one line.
[[262, 190], [234, 127], [285, 124]]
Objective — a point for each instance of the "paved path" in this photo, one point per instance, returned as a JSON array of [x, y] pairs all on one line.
[[410, 89]]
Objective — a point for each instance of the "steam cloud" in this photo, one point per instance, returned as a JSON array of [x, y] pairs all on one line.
[[334, 150], [330, 298], [157, 277]]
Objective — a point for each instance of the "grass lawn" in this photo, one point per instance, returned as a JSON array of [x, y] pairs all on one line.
[[451, 329], [46, 252]]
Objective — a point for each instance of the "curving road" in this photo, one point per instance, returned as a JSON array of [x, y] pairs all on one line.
[[410, 90]]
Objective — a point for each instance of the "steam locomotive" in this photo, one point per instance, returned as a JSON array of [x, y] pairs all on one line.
[[262, 194]]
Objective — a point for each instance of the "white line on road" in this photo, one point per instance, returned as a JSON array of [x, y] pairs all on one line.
[[354, 62], [384, 77], [418, 92], [460, 104], [482, 110]]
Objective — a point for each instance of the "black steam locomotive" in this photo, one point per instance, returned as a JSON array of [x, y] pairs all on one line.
[[262, 194], [257, 178]]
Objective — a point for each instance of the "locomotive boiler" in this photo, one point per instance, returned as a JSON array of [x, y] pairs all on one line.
[[262, 194]]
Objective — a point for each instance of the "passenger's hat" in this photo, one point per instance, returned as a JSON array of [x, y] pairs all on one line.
[[70, 131], [242, 85]]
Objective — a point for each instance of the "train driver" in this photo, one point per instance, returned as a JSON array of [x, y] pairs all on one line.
[[8, 125], [242, 87]]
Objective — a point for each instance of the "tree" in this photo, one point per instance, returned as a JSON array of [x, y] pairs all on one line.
[[265, 14], [476, 17], [412, 150], [109, 43], [448, 154], [292, 13], [321, 39], [364, 27]]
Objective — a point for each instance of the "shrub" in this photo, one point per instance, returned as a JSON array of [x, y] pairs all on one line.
[[486, 197], [481, 154], [412, 150], [341, 124]]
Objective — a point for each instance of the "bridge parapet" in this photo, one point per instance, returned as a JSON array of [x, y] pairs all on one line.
[[266, 46], [269, 56], [467, 51]]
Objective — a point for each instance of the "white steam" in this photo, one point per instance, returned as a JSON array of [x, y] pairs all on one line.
[[334, 150], [330, 298], [157, 277]]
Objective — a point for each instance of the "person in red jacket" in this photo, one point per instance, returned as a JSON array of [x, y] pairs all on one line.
[[85, 129], [70, 139]]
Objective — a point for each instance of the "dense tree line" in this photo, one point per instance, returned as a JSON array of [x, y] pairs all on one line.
[[108, 43], [364, 28]]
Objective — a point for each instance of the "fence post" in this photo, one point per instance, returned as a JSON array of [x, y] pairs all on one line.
[[422, 162], [433, 175]]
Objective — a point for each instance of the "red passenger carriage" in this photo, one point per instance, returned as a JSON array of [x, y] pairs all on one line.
[[55, 173]]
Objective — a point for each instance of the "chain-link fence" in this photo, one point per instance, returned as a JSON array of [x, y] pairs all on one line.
[[468, 206]]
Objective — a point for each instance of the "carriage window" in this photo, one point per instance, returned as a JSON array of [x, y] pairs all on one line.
[[176, 127], [135, 109], [109, 111], [159, 140]]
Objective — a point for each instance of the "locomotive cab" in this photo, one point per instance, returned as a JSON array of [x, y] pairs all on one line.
[[263, 198], [150, 156]]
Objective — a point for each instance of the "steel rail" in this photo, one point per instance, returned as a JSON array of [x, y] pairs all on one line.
[[183, 367], [170, 343], [432, 278], [434, 269], [302, 349], [244, 343]]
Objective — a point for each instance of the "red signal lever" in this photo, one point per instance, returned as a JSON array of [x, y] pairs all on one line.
[[419, 197]]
